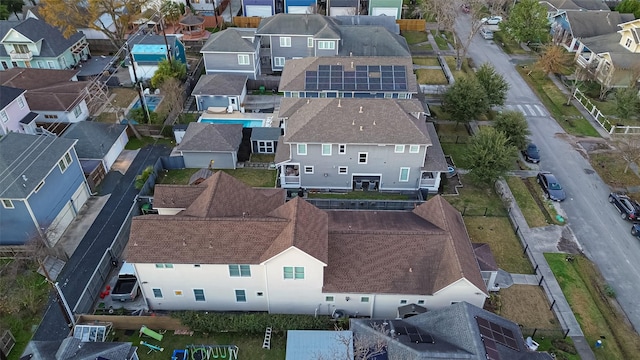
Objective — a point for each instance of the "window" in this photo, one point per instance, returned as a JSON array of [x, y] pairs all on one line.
[[403, 302], [243, 59], [199, 294], [51, 65], [20, 48], [259, 293], [302, 149], [278, 61], [326, 45], [628, 43], [177, 292], [402, 95], [362, 157], [164, 266], [7, 204], [328, 298], [399, 149], [4, 116], [295, 94], [364, 299], [342, 149], [64, 163], [5, 66], [51, 116], [310, 42], [241, 296], [343, 170], [265, 147], [77, 111], [157, 293], [308, 169], [420, 302], [14, 64], [414, 149], [285, 41], [326, 149], [39, 186], [21, 102], [40, 64], [404, 174], [296, 273], [240, 270]]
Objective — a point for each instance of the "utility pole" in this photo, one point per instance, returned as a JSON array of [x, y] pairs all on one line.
[[143, 103], [166, 43]]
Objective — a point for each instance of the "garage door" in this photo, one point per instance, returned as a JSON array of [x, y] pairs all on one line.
[[60, 223], [385, 11], [298, 10], [80, 196], [261, 11], [341, 11]]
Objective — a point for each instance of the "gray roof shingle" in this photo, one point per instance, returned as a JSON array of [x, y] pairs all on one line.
[[371, 41], [95, 139], [74, 349], [435, 160], [53, 42], [220, 84], [211, 137], [586, 24], [319, 26], [388, 22], [9, 94], [229, 40]]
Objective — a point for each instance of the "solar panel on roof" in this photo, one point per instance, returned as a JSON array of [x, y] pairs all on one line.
[[361, 68], [373, 78], [349, 74], [386, 68], [337, 68], [374, 68], [324, 67], [496, 333]]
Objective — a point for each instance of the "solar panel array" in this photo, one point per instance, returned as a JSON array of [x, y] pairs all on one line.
[[364, 78], [415, 334], [493, 334]]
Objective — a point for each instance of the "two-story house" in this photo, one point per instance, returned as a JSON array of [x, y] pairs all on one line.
[[570, 27], [234, 248], [357, 144], [555, 7], [42, 187], [148, 50], [232, 51], [32, 43], [15, 115]]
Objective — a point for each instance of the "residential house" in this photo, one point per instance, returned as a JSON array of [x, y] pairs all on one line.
[[391, 8], [98, 147], [32, 43], [300, 6], [343, 7], [458, 331], [42, 187], [212, 146], [264, 140], [555, 7], [292, 36], [55, 95], [221, 90], [148, 50], [387, 22], [613, 60], [488, 266], [358, 144], [15, 114], [268, 255], [201, 5], [388, 77], [234, 51], [260, 8], [570, 27], [72, 348]]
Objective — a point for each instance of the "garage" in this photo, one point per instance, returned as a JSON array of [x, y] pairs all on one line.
[[385, 11], [259, 10], [299, 10], [67, 214], [341, 11]]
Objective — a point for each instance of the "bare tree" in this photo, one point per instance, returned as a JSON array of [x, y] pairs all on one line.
[[358, 346], [173, 91], [443, 12], [476, 12], [629, 146]]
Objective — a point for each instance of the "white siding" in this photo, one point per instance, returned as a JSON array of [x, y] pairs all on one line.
[[115, 150]]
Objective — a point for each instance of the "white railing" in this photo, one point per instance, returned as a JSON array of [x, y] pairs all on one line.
[[427, 183], [601, 118], [291, 180], [21, 56]]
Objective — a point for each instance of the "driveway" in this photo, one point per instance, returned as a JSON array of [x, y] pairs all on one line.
[[604, 236], [80, 267]]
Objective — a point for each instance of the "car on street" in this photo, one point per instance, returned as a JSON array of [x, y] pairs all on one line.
[[550, 185], [635, 230], [629, 209], [492, 20], [531, 153], [486, 33]]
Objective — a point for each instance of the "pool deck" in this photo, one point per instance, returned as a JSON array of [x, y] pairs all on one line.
[[242, 116]]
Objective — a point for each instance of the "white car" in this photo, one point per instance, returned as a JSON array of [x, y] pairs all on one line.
[[493, 20]]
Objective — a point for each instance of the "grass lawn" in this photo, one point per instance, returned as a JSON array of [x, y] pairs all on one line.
[[452, 130], [473, 200], [107, 117], [528, 306], [254, 177], [359, 195], [415, 37], [462, 73], [431, 77], [567, 116], [509, 45], [262, 158], [440, 41], [422, 47], [526, 202], [505, 246], [426, 61], [249, 346], [186, 118], [135, 144], [610, 167], [175, 177], [584, 289], [438, 113], [458, 153]]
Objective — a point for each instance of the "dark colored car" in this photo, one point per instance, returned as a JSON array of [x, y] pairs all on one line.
[[628, 208], [551, 186], [635, 230], [531, 153]]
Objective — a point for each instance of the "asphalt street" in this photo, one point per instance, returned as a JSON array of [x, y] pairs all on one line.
[[604, 236], [80, 267]]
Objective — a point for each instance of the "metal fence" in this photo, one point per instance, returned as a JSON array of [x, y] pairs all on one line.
[[339, 204], [454, 139], [483, 211]]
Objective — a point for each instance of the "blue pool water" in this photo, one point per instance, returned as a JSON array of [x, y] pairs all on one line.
[[152, 102], [248, 123]]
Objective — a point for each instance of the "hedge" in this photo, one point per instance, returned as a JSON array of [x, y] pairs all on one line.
[[252, 323]]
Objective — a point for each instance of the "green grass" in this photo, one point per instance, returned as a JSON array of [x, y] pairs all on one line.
[[464, 72], [508, 44], [431, 77], [415, 37], [554, 100], [438, 113], [550, 344], [610, 167], [583, 287], [175, 177], [526, 202], [458, 153], [359, 195], [422, 47], [426, 61], [186, 118], [262, 158], [440, 41], [135, 144], [475, 199], [452, 130], [254, 177]]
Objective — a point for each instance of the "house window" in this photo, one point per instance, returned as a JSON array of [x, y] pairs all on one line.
[[199, 294], [278, 61], [628, 43], [241, 296], [77, 111], [310, 42], [64, 163], [402, 302], [243, 59], [177, 292], [388, 95], [308, 169], [454, 302], [364, 299], [342, 149], [157, 293], [399, 149], [295, 273], [420, 302], [14, 64], [402, 95], [7, 204], [21, 102], [4, 116], [5, 66], [265, 147], [295, 94], [404, 174], [326, 149], [51, 116], [328, 298], [20, 48], [240, 270], [285, 41], [363, 157], [302, 149], [39, 186], [343, 170], [51, 64], [326, 45], [164, 266], [40, 64], [414, 149]]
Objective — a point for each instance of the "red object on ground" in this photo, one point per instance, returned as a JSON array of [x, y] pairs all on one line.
[[102, 295], [108, 287]]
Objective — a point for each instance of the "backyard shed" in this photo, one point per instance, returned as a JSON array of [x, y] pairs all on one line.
[[264, 140], [211, 145]]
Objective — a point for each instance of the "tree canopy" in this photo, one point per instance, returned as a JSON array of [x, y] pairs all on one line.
[[4, 12], [554, 60], [174, 69], [629, 6], [493, 83], [465, 100], [514, 125], [171, 11], [13, 6], [527, 22], [490, 155], [627, 102]]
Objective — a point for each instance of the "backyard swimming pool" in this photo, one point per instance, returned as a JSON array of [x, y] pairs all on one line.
[[248, 123], [152, 102]]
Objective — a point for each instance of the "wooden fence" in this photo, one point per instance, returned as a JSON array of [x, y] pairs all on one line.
[[246, 22], [122, 322], [412, 24]]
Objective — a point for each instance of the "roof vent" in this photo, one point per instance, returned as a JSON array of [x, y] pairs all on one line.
[[374, 123], [360, 111], [352, 64], [308, 101], [210, 245], [24, 177], [184, 243], [353, 122], [410, 270]]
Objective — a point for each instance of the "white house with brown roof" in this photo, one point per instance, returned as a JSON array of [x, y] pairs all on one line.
[[234, 248]]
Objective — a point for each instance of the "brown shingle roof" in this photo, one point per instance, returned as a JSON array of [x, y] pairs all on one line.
[[485, 258], [31, 78], [176, 196]]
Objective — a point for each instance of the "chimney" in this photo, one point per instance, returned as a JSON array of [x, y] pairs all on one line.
[[360, 111], [339, 105]]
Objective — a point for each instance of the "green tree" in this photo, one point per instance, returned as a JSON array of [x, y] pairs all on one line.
[[465, 100], [490, 155], [629, 6], [4, 12], [14, 6], [493, 83], [527, 22], [170, 11], [627, 102], [174, 69], [514, 126], [142, 178]]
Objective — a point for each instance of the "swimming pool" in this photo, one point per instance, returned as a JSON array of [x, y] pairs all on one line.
[[248, 123], [151, 100]]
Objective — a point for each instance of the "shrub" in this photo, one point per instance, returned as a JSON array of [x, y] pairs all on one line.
[[253, 323]]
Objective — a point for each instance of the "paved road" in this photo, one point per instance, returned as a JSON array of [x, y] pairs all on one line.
[[604, 236], [80, 267]]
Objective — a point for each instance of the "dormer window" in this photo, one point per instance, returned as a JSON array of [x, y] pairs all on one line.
[[628, 43]]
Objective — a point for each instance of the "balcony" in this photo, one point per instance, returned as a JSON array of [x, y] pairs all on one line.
[[427, 183], [27, 56], [291, 181], [583, 61]]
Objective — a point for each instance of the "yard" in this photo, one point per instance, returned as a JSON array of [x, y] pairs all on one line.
[[442, 40], [415, 37], [533, 205], [610, 166], [465, 72], [251, 177], [475, 200], [135, 143], [431, 77], [426, 61], [507, 43]]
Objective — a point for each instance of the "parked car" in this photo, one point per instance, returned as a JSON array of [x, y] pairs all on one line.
[[628, 208], [531, 153], [551, 186], [126, 287], [635, 230], [486, 33], [492, 20]]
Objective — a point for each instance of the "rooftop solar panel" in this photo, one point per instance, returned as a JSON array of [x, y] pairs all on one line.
[[372, 77]]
